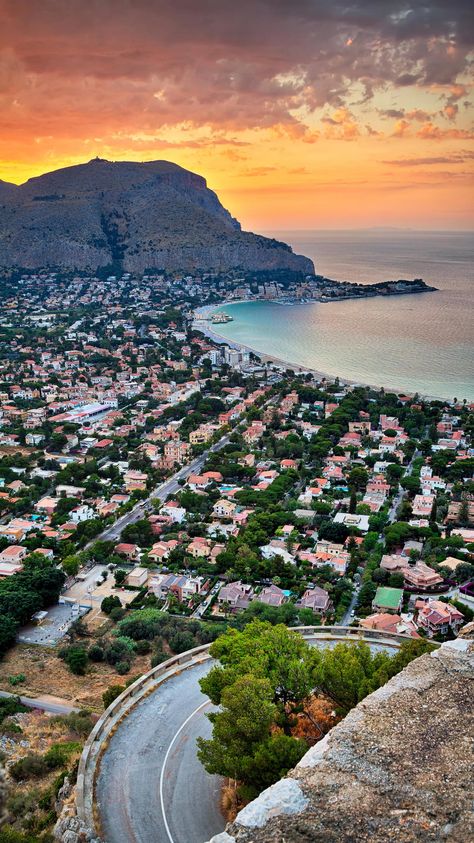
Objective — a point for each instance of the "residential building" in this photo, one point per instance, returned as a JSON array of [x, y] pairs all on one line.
[[388, 600]]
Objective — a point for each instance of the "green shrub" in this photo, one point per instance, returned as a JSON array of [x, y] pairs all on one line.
[[109, 603], [58, 782], [16, 679], [96, 653], [117, 614], [75, 657], [58, 754], [142, 647], [29, 767], [158, 657], [10, 705], [122, 667], [10, 835], [12, 728], [79, 722], [111, 694]]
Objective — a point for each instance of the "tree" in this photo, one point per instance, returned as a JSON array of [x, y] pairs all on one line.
[[242, 746], [273, 652], [353, 501], [380, 575], [349, 672], [396, 580], [463, 516], [75, 658], [358, 478], [109, 603], [71, 565], [464, 571], [8, 630]]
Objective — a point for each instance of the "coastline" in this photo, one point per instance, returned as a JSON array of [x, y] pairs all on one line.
[[220, 339]]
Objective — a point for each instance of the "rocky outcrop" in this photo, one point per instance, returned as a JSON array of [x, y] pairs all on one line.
[[398, 767], [132, 216], [69, 828]]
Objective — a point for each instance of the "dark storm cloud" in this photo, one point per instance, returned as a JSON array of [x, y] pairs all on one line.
[[236, 65]]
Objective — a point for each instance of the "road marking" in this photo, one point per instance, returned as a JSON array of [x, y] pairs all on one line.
[[162, 776]]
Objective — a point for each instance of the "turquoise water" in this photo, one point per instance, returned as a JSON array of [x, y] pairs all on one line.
[[418, 343]]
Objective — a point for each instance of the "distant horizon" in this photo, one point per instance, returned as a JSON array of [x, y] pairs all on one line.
[[374, 229]]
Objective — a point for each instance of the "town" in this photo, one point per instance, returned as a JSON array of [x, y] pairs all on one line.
[[157, 487]]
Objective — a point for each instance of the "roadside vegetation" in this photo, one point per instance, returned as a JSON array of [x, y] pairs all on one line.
[[278, 696]]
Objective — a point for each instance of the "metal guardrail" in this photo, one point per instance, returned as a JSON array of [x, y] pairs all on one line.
[[149, 682]]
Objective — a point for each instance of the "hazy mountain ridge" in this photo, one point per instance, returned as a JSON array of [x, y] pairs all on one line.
[[138, 215]]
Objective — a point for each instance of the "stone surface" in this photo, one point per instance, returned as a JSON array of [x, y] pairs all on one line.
[[398, 767], [283, 797], [132, 216], [69, 828]]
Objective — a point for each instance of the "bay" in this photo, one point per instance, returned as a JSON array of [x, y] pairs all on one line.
[[415, 343]]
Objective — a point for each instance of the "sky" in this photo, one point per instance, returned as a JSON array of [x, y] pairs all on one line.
[[301, 114]]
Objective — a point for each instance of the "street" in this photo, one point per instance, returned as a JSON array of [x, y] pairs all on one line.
[[54, 705], [169, 487]]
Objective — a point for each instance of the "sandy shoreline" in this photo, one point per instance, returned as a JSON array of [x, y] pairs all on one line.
[[288, 364]]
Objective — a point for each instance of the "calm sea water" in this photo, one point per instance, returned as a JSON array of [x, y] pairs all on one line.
[[420, 343]]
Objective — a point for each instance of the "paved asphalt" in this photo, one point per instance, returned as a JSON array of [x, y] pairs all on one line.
[[169, 487], [42, 703], [151, 788]]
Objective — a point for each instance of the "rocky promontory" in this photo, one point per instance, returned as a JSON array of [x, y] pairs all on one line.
[[132, 217], [398, 767]]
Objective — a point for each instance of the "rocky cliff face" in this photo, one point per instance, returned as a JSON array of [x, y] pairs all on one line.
[[398, 767], [134, 216]]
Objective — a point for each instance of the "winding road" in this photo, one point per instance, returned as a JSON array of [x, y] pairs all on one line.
[[151, 788]]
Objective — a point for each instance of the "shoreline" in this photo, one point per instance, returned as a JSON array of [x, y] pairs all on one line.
[[297, 367]]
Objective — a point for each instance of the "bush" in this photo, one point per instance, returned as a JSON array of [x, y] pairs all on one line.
[[79, 722], [16, 679], [143, 647], [31, 766], [9, 706], [109, 603], [12, 728], [58, 755], [122, 667], [121, 649], [158, 657], [96, 653], [117, 614], [76, 659], [111, 694], [10, 835], [182, 641], [143, 623], [58, 782]]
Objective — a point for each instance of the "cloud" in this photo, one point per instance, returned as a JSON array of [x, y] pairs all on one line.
[[455, 158], [401, 128], [431, 132], [392, 113], [153, 63], [450, 111]]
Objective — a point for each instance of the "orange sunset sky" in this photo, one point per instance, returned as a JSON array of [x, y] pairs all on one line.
[[302, 114]]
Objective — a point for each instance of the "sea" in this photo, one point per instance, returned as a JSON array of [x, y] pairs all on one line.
[[414, 343]]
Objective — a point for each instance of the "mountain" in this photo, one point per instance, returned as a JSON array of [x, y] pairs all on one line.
[[133, 216]]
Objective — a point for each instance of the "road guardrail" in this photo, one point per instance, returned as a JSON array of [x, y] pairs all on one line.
[[97, 741]]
